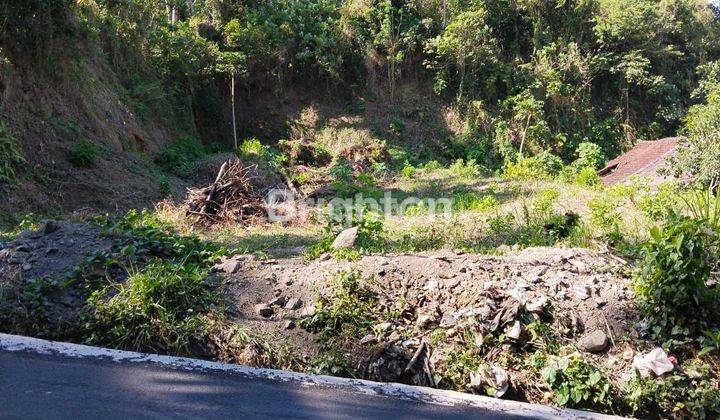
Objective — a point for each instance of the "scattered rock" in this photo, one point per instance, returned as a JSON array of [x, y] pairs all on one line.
[[278, 301], [594, 342], [23, 248], [26, 267], [263, 310], [515, 331], [293, 303], [537, 305], [229, 266], [307, 311], [50, 227], [368, 339], [346, 239]]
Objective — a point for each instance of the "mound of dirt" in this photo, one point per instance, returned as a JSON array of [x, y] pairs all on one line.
[[574, 291], [38, 260]]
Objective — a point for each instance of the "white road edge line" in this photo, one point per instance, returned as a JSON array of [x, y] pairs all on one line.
[[15, 343]]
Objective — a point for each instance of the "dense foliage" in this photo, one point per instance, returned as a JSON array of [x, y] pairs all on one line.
[[545, 75]]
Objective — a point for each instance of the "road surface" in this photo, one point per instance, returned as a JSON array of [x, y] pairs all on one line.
[[41, 379]]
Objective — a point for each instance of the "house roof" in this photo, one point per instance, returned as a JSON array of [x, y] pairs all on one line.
[[644, 160]]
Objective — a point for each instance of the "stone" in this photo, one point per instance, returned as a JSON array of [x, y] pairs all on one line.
[[230, 266], [308, 311], [50, 227], [23, 248], [368, 339], [263, 310], [278, 301], [346, 239], [515, 331], [537, 305], [293, 303], [594, 342], [26, 267]]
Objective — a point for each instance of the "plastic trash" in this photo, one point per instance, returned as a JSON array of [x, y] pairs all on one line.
[[656, 361]]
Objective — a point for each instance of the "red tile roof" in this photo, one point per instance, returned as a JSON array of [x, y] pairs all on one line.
[[644, 160]]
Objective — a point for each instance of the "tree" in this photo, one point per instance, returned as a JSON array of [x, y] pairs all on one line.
[[467, 44], [234, 64]]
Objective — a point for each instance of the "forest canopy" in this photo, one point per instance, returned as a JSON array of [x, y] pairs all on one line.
[[546, 75]]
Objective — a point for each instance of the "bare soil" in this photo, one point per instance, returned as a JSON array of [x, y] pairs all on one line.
[[585, 291]]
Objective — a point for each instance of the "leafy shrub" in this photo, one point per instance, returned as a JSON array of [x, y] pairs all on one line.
[[253, 148], [408, 170], [657, 205], [587, 177], [431, 165], [670, 285], [180, 157], [590, 155], [397, 127], [469, 200], [347, 309], [684, 396], [551, 164], [525, 168], [576, 383], [545, 201], [159, 309], [10, 157], [604, 214], [466, 168], [84, 153], [370, 228]]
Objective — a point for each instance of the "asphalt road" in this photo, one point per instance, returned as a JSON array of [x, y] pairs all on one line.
[[47, 379], [52, 386]]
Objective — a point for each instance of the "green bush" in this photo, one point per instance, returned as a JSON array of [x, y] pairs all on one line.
[[180, 157], [670, 285], [466, 168], [576, 383], [551, 164], [348, 309], [590, 155], [525, 169], [408, 170], [587, 177], [159, 309], [684, 396], [84, 153], [10, 157], [470, 200]]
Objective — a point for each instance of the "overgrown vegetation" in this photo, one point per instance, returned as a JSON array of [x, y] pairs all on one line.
[[10, 157]]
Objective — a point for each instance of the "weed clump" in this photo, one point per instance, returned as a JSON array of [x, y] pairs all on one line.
[[84, 153], [670, 284], [180, 157], [576, 383], [158, 309], [10, 157]]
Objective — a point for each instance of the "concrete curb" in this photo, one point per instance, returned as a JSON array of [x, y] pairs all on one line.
[[14, 343]]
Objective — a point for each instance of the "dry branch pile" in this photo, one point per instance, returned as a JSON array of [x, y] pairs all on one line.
[[230, 199]]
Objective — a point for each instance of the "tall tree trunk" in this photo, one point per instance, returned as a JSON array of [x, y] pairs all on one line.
[[232, 96]]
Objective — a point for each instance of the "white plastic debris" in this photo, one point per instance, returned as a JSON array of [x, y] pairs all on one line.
[[655, 361], [495, 378]]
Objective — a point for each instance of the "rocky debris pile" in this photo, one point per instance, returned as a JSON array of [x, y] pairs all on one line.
[[36, 261], [231, 198], [581, 295], [52, 251]]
